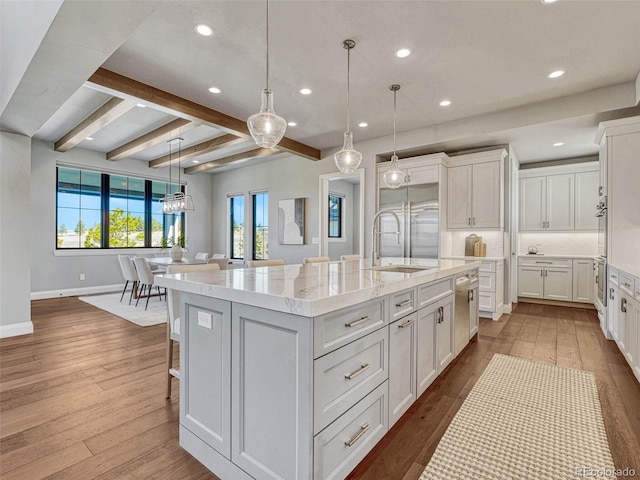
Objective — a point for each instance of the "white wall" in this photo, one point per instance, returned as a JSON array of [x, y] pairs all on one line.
[[15, 212], [285, 177], [53, 275]]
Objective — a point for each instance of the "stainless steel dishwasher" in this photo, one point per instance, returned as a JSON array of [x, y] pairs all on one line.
[[462, 313]]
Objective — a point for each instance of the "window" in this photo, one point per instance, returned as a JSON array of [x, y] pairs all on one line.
[[335, 215], [260, 226], [236, 222], [98, 210]]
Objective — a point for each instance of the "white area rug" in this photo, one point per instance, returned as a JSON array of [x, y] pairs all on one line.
[[525, 420], [154, 315]]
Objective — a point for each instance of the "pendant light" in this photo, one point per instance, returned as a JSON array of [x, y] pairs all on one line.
[[348, 159], [176, 202], [267, 128], [394, 177]]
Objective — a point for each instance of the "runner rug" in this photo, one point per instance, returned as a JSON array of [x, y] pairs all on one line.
[[525, 420]]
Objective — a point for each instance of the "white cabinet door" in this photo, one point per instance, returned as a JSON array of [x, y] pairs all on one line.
[[272, 391], [205, 392], [486, 198], [558, 283], [402, 366], [533, 199], [583, 280], [587, 184], [633, 310], [629, 313], [444, 333], [426, 350], [530, 281], [613, 314], [459, 196], [559, 203], [421, 175]]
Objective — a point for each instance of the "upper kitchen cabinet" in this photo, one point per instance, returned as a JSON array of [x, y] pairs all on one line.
[[559, 198], [475, 193], [619, 142], [417, 170]]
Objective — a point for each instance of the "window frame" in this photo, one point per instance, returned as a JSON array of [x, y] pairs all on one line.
[[230, 233], [341, 218], [254, 226]]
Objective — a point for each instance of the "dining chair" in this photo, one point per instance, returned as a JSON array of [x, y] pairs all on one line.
[[173, 314], [129, 273], [316, 259], [146, 278], [349, 257], [223, 263], [202, 256], [219, 255], [265, 263]]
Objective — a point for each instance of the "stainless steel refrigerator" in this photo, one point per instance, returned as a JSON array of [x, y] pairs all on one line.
[[417, 207]]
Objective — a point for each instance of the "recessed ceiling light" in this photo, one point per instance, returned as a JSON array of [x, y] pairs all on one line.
[[445, 103], [292, 124], [204, 29], [558, 144], [556, 74], [548, 1], [89, 138], [214, 90], [363, 124], [305, 91], [403, 52], [196, 161], [141, 105]]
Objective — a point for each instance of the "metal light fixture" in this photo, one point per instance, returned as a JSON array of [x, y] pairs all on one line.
[[176, 202], [394, 177], [348, 159], [267, 128]]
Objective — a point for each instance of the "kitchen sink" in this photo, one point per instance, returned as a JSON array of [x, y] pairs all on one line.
[[401, 268]]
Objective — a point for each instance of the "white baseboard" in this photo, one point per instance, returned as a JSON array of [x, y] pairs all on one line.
[[508, 308], [72, 292], [15, 329]]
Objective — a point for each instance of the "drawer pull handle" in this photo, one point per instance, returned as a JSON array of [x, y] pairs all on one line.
[[406, 324], [363, 429], [402, 304], [355, 323], [611, 297], [352, 375], [537, 261], [623, 305]]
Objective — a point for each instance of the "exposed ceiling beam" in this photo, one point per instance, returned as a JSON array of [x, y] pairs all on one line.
[[203, 167], [162, 134], [119, 85], [223, 141], [103, 116]]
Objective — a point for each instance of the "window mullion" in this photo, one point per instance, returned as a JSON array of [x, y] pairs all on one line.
[[104, 205]]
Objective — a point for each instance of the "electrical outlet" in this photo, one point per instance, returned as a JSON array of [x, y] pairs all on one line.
[[204, 320], [82, 277]]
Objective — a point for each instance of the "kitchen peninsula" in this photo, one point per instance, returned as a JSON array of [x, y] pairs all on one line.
[[297, 371]]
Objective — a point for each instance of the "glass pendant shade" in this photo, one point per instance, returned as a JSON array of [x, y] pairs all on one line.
[[267, 128], [348, 159], [394, 177]]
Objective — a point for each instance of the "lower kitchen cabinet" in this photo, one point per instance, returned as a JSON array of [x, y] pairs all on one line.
[[530, 281], [402, 365], [630, 316], [550, 279], [558, 283]]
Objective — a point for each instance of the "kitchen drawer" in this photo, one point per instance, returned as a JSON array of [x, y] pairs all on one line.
[[431, 292], [487, 282], [344, 443], [613, 276], [487, 266], [546, 262], [627, 283], [487, 302], [335, 329], [343, 377], [401, 304]]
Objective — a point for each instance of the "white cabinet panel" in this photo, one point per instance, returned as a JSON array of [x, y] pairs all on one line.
[[530, 281], [444, 333], [426, 353], [533, 200], [583, 280], [587, 198], [459, 197], [558, 283], [402, 366], [560, 202], [486, 195]]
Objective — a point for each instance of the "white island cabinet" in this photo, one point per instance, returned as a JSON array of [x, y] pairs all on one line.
[[286, 371]]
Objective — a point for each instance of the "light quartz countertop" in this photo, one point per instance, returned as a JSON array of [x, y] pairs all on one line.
[[546, 255], [315, 288], [479, 259]]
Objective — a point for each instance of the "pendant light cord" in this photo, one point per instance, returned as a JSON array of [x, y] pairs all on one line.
[[267, 82], [348, 86], [170, 159], [394, 123], [179, 152]]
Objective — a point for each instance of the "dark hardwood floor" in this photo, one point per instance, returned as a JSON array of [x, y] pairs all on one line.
[[83, 397]]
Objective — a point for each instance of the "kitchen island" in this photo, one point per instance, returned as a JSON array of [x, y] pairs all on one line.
[[297, 371]]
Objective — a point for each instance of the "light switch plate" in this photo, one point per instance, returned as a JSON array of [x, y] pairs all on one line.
[[204, 320]]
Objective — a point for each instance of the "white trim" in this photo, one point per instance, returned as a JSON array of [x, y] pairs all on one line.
[[121, 173], [82, 252], [72, 292], [15, 329]]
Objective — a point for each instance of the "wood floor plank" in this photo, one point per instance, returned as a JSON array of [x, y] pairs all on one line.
[[590, 350], [50, 464], [568, 352], [522, 349], [545, 349]]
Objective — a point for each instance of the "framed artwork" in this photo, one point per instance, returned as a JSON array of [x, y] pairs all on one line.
[[291, 221]]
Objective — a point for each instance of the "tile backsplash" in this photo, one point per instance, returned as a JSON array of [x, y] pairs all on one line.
[[573, 243], [453, 243]]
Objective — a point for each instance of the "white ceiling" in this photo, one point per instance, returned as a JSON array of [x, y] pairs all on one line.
[[486, 56]]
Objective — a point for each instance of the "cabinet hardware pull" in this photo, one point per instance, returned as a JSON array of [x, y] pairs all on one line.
[[545, 272], [440, 314], [355, 323], [539, 261], [623, 305], [363, 429], [469, 295], [473, 220], [351, 375], [611, 297], [402, 304], [542, 272], [626, 284], [406, 324]]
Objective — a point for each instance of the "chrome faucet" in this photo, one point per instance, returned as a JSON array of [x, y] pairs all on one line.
[[375, 255]]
